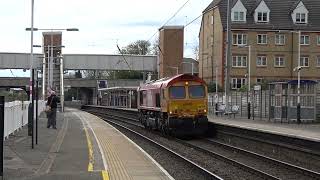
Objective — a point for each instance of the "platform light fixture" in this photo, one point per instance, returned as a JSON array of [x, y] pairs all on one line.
[[298, 68]]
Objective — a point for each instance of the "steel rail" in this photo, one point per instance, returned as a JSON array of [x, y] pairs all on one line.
[[239, 164], [207, 172], [298, 168]]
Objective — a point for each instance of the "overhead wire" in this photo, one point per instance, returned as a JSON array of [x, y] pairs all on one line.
[[12, 73], [124, 57]]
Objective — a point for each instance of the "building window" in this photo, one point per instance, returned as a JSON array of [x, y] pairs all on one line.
[[238, 16], [280, 39], [238, 83], [259, 80], [279, 61], [261, 61], [304, 40], [262, 39], [239, 61], [318, 61], [239, 39], [301, 18], [304, 61], [318, 40], [262, 17]]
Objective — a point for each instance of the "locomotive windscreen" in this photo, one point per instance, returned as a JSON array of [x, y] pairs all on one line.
[[177, 92], [196, 91]]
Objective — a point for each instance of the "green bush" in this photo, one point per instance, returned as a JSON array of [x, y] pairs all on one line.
[[10, 96]]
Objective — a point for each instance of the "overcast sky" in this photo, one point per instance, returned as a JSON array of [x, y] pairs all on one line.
[[102, 23]]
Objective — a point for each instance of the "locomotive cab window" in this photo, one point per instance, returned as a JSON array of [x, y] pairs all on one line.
[[157, 99], [196, 91], [177, 92], [143, 95]]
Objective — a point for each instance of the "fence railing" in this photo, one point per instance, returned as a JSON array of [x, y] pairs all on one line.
[[16, 115], [259, 103]]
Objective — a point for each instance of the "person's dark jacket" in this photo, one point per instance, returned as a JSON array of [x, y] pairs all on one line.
[[54, 102]]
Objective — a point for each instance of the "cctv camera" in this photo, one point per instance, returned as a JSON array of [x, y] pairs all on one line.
[[297, 68]]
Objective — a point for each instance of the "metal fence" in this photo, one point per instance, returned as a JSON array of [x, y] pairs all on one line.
[[16, 115], [259, 103]]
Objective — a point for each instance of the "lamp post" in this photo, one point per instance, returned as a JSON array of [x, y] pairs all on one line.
[[30, 124], [191, 65], [298, 68], [249, 79]]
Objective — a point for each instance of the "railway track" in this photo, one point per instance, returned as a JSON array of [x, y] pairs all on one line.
[[205, 173], [257, 165], [298, 152], [268, 167]]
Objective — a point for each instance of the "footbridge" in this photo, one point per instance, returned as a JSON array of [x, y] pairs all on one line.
[[83, 62]]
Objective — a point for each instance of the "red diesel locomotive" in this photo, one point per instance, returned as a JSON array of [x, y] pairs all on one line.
[[177, 105]]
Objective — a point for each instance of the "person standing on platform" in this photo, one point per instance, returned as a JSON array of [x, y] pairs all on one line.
[[52, 113]]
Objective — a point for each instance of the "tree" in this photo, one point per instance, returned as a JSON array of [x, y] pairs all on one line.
[[139, 47], [195, 50], [155, 47]]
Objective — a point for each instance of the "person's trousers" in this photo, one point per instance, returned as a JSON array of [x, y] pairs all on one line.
[[52, 115]]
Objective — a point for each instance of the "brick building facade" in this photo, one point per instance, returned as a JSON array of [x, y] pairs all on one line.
[[271, 29]]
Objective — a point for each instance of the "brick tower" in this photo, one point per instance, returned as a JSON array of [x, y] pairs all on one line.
[[171, 50], [52, 51]]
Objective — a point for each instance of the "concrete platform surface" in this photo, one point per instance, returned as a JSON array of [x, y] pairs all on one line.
[[304, 131], [123, 159], [61, 153], [83, 147]]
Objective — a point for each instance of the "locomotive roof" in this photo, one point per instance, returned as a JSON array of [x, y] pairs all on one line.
[[165, 82]]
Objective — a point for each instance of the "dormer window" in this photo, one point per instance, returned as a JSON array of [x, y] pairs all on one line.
[[300, 14], [238, 16], [262, 13], [300, 18], [239, 12], [262, 16]]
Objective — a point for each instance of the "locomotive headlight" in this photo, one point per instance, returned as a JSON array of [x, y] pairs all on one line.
[[170, 112], [205, 110], [186, 83]]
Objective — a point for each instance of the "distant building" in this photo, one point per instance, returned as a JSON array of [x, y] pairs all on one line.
[[190, 65], [271, 28]]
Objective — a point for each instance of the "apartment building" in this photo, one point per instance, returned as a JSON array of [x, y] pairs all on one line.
[[264, 32]]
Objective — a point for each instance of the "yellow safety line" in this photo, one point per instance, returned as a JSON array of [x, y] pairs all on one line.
[[91, 160], [105, 175]]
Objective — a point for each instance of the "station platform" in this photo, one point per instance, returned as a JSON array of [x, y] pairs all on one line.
[[308, 131], [82, 147]]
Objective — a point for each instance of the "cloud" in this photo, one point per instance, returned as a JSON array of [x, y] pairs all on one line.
[[102, 23]]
